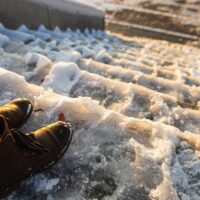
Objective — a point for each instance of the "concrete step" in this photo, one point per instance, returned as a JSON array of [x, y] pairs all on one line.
[[130, 29], [189, 10], [50, 13], [160, 20]]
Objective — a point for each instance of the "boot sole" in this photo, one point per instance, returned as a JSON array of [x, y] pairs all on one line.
[[4, 194]]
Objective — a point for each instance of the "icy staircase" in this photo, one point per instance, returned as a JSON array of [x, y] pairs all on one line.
[[168, 20], [134, 105]]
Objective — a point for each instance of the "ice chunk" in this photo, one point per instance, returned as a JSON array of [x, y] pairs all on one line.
[[3, 40], [103, 57], [62, 77], [42, 67], [45, 184], [85, 52], [37, 59]]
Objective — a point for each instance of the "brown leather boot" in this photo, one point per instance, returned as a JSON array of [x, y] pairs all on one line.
[[4, 129], [22, 155], [16, 112]]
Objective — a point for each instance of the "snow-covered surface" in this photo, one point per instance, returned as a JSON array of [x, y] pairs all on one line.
[[134, 106]]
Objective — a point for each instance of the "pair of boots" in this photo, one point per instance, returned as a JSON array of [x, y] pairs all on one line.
[[21, 154]]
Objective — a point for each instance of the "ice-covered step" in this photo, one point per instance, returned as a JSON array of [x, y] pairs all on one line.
[[166, 55], [180, 73], [150, 66], [138, 102], [131, 99], [171, 73], [141, 67], [188, 76], [15, 35], [169, 55], [134, 65], [143, 58], [95, 85], [186, 95], [75, 42], [126, 98], [160, 60], [117, 95], [120, 152]]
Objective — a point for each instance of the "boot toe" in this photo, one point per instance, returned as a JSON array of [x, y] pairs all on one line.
[[24, 104], [64, 132], [17, 112]]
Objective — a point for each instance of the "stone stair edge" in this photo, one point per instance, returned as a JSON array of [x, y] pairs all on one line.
[[50, 13]]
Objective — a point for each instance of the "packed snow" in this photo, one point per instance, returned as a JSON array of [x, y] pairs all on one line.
[[136, 130]]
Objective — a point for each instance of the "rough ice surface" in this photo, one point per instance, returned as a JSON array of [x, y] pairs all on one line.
[[107, 151], [136, 130]]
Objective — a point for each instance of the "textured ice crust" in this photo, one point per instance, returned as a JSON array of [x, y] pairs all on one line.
[[111, 156]]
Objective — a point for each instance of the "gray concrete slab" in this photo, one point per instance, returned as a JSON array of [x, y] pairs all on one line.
[[51, 13]]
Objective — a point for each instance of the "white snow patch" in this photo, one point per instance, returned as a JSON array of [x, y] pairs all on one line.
[[62, 77]]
